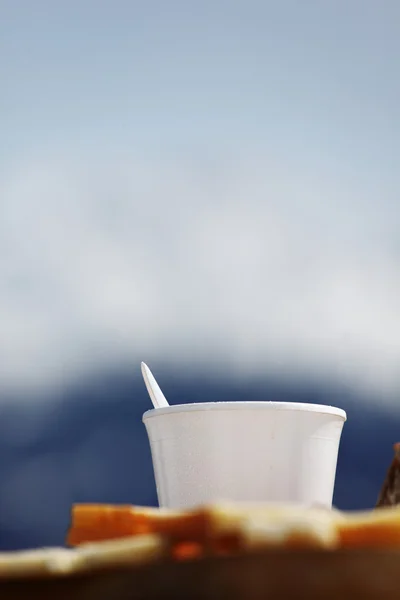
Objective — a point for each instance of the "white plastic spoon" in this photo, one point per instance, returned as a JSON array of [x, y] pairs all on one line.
[[157, 397]]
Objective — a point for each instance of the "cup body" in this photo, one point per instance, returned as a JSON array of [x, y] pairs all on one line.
[[244, 451]]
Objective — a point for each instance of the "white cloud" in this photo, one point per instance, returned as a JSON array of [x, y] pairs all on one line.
[[255, 263]]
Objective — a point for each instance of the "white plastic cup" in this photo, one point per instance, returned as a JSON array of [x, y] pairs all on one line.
[[282, 452]]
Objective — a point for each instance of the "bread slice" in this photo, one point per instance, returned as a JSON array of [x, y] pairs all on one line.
[[142, 549], [97, 522], [219, 528], [225, 528]]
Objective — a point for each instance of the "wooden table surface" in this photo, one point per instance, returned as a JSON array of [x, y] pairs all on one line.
[[270, 575]]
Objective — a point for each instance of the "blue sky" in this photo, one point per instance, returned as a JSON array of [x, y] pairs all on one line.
[[200, 182]]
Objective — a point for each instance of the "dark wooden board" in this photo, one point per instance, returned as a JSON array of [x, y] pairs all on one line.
[[370, 575]]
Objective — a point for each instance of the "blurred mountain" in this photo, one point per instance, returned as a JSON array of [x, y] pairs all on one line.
[[88, 444]]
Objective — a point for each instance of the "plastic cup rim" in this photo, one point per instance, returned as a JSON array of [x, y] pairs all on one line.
[[260, 405]]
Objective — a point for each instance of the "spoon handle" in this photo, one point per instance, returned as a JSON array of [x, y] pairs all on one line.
[[157, 397]]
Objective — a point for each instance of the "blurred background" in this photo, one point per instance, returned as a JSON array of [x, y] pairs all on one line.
[[210, 187]]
